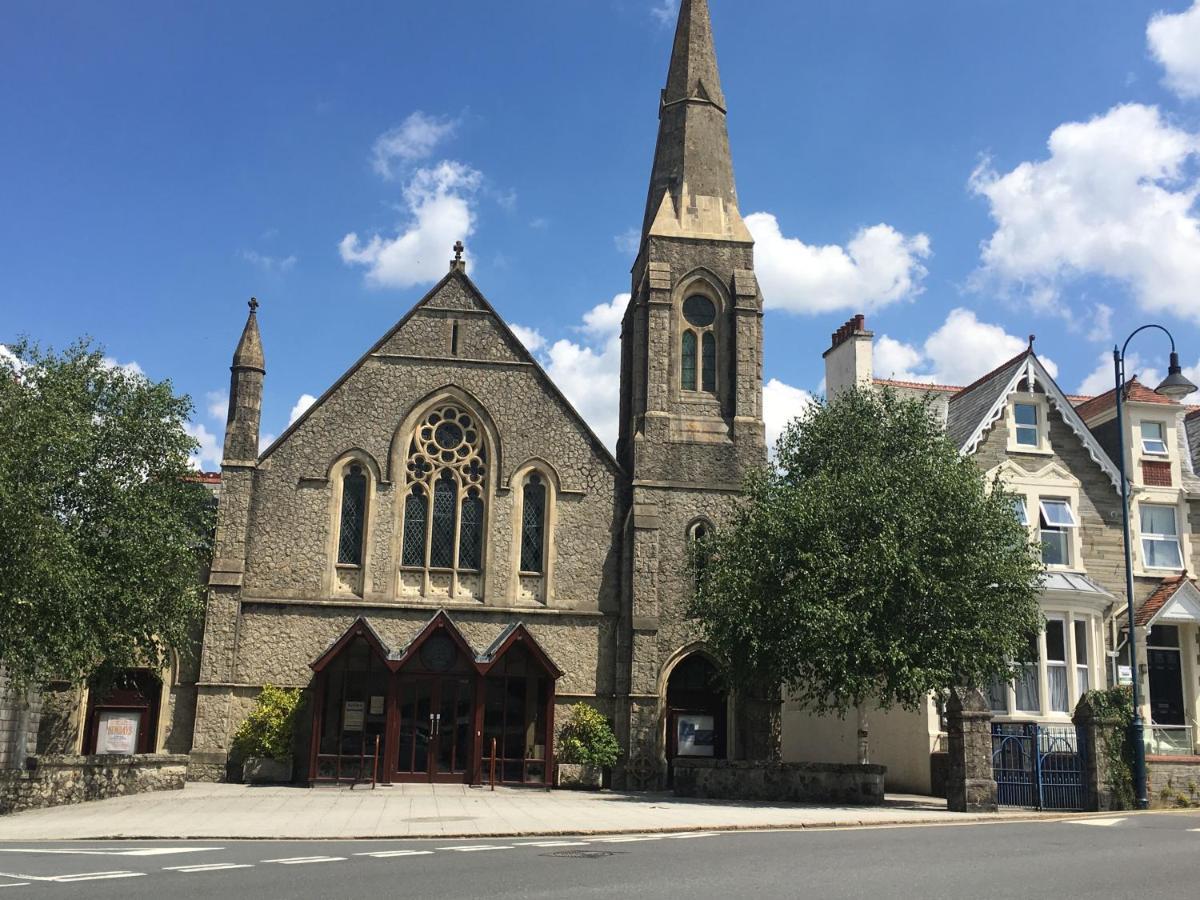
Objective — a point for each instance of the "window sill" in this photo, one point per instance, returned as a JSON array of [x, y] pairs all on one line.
[[1030, 451]]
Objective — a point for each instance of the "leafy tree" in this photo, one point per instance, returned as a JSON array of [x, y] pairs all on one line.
[[587, 738], [267, 731], [104, 530], [870, 565]]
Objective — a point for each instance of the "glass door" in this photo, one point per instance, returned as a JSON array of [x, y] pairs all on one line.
[[416, 729], [435, 718]]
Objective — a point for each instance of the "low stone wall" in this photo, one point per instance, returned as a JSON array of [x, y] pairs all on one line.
[[59, 780], [720, 779], [1173, 781]]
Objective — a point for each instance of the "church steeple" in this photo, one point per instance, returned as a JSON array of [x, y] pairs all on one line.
[[245, 394], [692, 190]]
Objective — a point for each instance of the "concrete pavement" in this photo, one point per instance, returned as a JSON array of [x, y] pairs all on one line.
[[233, 811]]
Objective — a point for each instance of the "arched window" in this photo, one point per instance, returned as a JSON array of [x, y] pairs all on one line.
[[698, 534], [533, 525], [444, 508], [689, 360], [353, 524], [698, 358]]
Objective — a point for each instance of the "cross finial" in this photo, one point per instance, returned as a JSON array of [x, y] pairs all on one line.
[[253, 304], [458, 251]]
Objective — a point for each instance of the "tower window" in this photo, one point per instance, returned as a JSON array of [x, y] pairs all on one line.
[[353, 520], [698, 356]]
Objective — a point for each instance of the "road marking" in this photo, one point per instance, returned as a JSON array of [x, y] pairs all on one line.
[[147, 851], [388, 854], [1102, 823], [630, 840], [476, 849], [698, 834], [207, 867], [95, 876], [302, 860], [551, 844], [16, 884]]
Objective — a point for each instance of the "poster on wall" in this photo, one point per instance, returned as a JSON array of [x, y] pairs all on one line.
[[353, 717], [377, 706], [695, 735], [117, 732]]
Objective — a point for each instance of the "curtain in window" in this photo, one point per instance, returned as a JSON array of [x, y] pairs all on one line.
[[688, 361], [709, 369], [353, 519], [1056, 677], [1028, 699], [533, 525], [997, 692], [414, 528]]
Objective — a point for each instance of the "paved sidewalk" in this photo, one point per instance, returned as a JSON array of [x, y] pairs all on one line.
[[230, 811]]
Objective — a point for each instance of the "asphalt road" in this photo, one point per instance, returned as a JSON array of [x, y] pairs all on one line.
[[1144, 857]]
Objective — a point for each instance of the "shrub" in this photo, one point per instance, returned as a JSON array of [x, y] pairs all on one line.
[[267, 731], [586, 738]]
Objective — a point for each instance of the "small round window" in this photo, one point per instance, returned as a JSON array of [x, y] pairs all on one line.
[[699, 311]]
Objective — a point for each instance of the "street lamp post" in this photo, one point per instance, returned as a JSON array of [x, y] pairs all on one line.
[[1175, 387]]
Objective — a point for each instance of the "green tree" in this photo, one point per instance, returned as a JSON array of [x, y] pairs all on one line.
[[104, 533], [870, 565]]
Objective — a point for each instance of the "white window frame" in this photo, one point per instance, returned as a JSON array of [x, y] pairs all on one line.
[[1036, 427], [1076, 625], [1161, 439], [1149, 537], [1021, 509], [1083, 670], [1066, 529], [1048, 663]]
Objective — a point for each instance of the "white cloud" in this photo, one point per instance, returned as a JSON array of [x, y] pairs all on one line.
[[960, 351], [217, 405], [530, 337], [1115, 199], [1175, 42], [129, 368], [665, 11], [781, 404], [628, 241], [879, 266], [439, 203], [207, 457], [1101, 328], [7, 357], [301, 407], [265, 441], [415, 139], [1103, 378], [271, 264]]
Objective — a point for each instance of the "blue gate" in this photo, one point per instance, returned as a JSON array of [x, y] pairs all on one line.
[[1037, 766]]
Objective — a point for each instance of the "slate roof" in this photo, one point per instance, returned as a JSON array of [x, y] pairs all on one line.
[[971, 404], [918, 385]]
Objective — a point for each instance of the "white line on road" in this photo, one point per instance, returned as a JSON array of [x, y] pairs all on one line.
[[207, 867], [631, 839], [301, 860], [146, 851], [1103, 823], [697, 834], [551, 844], [16, 884], [388, 854], [475, 849], [94, 876]]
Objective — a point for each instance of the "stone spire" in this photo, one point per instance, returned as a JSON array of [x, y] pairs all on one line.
[[692, 190], [245, 394]]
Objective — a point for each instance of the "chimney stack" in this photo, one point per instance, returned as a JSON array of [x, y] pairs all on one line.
[[848, 359]]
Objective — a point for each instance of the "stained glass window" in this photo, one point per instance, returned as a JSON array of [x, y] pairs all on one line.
[[533, 525], [353, 522], [689, 361], [414, 527], [470, 540], [441, 541], [708, 380]]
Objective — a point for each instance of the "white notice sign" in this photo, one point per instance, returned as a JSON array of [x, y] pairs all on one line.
[[118, 732], [1124, 675], [695, 736], [353, 718]]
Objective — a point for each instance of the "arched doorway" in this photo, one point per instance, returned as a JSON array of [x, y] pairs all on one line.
[[697, 711], [122, 713]]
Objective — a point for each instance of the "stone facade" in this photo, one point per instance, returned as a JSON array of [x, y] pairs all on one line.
[[20, 717], [1173, 781], [60, 780]]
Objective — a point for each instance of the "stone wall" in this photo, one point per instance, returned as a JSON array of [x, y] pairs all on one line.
[[721, 779], [59, 780], [1173, 781], [17, 714]]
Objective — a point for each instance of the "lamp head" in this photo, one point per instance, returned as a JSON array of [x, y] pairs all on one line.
[[1175, 385]]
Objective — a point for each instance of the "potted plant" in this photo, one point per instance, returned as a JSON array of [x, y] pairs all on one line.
[[264, 740], [586, 747]]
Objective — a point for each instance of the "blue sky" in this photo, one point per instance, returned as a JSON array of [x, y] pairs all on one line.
[[164, 162]]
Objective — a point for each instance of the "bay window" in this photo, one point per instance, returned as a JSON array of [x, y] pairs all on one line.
[[1028, 690], [1082, 678], [1056, 665]]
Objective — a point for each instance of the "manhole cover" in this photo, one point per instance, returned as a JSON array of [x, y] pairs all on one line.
[[581, 854], [424, 819]]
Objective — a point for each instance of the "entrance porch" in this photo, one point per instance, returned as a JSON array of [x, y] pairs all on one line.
[[434, 711]]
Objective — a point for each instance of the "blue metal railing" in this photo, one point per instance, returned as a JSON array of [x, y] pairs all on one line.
[[1037, 766]]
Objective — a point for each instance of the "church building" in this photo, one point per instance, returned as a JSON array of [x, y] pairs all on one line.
[[442, 553]]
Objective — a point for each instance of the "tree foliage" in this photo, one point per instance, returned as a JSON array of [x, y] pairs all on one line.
[[104, 530], [267, 732], [870, 564]]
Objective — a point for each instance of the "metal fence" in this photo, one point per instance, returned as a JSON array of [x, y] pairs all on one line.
[[1037, 766]]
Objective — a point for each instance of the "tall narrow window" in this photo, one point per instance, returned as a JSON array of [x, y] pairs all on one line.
[[1082, 674], [688, 365], [353, 519], [1056, 665], [1160, 537], [700, 313], [533, 525], [1026, 686], [709, 363], [445, 508], [1025, 417]]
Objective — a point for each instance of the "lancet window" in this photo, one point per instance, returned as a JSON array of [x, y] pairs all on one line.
[[698, 348], [353, 523]]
